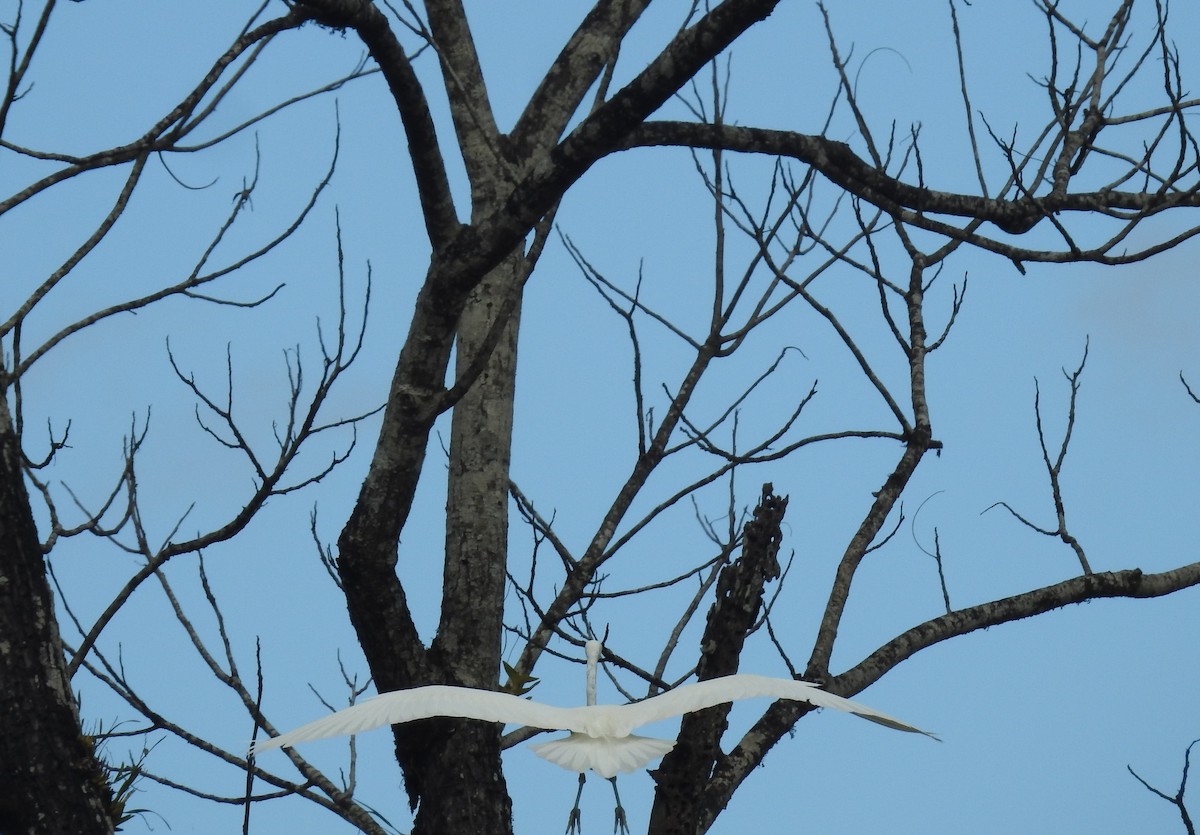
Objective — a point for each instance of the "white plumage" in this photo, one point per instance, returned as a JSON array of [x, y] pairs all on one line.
[[602, 737], [604, 755]]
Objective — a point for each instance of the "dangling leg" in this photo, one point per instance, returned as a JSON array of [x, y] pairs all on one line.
[[574, 820], [619, 824]]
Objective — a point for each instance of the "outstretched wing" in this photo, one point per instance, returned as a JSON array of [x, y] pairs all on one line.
[[715, 691], [604, 755], [426, 702]]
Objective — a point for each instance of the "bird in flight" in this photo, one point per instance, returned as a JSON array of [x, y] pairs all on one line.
[[601, 737]]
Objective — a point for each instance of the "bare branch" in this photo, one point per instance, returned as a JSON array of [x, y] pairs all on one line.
[[1175, 800], [1054, 468]]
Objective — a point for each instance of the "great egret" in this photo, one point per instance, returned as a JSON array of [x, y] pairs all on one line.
[[601, 736]]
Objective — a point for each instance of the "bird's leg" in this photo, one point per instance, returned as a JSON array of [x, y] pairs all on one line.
[[620, 824], [574, 820]]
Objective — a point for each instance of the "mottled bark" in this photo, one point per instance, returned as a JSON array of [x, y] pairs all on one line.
[[468, 638], [460, 782], [50, 781], [735, 611]]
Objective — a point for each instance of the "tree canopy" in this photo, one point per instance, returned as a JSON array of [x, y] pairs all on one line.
[[350, 347]]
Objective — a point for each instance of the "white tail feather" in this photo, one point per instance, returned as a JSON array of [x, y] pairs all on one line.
[[603, 755]]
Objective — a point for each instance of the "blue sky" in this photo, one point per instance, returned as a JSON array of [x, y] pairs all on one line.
[[1039, 718]]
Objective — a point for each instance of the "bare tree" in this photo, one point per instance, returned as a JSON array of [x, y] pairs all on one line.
[[1105, 179]]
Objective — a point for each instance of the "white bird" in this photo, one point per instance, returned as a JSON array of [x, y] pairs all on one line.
[[601, 737]]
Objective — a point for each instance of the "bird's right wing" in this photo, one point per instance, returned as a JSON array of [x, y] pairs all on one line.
[[715, 691], [427, 702]]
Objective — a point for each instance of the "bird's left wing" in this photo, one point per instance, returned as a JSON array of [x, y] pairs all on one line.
[[427, 702], [715, 691]]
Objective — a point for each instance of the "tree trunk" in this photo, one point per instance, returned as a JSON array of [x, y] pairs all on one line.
[[50, 781], [462, 784], [681, 779]]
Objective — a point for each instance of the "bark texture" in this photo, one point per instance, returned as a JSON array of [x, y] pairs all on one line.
[[50, 781], [732, 617], [460, 781]]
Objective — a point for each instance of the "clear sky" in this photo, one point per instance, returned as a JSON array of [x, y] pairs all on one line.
[[1039, 718]]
